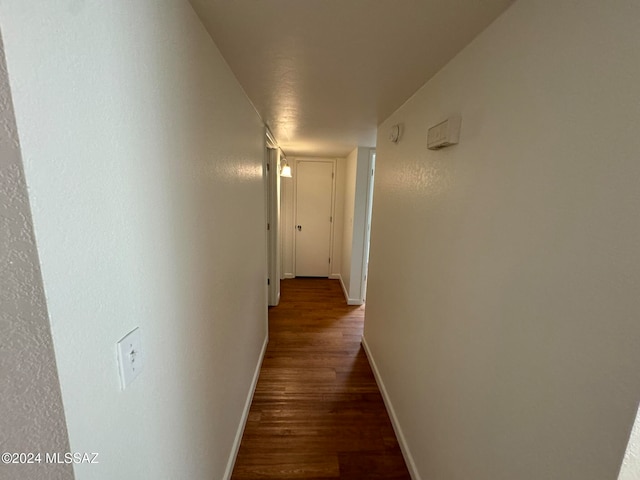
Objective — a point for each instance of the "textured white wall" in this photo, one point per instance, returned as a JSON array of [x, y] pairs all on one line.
[[355, 203], [143, 160], [32, 419], [359, 224], [351, 165], [631, 463], [503, 294], [338, 218]]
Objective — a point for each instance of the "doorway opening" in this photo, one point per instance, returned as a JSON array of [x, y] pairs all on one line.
[[326, 220], [272, 217]]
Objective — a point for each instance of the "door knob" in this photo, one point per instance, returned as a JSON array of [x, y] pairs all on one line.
[[299, 227]]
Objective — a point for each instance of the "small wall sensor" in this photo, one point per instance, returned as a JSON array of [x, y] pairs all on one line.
[[444, 134], [394, 134]]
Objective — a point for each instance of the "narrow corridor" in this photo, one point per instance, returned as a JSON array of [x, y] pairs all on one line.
[[317, 412]]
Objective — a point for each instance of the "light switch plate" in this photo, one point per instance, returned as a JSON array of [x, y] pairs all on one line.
[[130, 359]]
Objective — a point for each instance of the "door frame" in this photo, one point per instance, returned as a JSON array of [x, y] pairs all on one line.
[[367, 224], [272, 220], [333, 162]]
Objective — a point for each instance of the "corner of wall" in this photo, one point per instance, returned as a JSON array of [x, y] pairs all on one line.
[[406, 452], [33, 418], [245, 414]]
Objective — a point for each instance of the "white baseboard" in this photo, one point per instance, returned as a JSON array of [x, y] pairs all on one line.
[[350, 301], [344, 289], [334, 276], [245, 414], [288, 275], [406, 453]]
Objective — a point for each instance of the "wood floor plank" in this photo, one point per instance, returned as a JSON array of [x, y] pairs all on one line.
[[317, 413]]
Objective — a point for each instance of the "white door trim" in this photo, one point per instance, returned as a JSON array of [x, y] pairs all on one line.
[[273, 220], [367, 224]]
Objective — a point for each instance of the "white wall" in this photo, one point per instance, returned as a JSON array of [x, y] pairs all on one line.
[[351, 167], [143, 159], [354, 224], [338, 218], [630, 469], [32, 418], [503, 303]]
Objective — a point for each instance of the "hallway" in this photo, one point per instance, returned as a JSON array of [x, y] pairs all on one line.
[[317, 412]]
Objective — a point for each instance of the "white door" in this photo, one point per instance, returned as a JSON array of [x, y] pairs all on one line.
[[314, 193]]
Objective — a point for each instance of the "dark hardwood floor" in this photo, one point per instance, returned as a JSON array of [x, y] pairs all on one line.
[[317, 412]]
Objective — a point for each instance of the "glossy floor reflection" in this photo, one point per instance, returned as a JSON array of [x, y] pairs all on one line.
[[317, 412]]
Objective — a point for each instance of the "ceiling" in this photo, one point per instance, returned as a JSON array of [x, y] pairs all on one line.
[[324, 73]]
